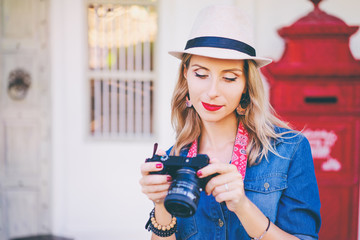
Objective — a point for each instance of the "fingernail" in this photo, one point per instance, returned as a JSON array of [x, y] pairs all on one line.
[[199, 173], [159, 165], [169, 178]]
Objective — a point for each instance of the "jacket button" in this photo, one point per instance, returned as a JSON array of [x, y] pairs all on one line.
[[266, 186], [221, 223]]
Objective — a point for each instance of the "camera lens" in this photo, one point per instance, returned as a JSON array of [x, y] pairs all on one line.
[[184, 193]]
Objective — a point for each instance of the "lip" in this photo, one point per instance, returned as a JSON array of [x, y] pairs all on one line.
[[211, 107]]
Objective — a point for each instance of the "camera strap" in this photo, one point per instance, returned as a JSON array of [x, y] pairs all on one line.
[[239, 157]]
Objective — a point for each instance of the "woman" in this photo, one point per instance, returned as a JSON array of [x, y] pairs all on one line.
[[219, 108]]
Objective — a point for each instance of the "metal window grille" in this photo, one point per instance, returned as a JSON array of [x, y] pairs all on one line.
[[121, 68]]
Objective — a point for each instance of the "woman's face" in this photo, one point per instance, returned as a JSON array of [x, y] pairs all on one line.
[[215, 86]]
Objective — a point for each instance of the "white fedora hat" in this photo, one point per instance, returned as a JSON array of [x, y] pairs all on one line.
[[222, 31]]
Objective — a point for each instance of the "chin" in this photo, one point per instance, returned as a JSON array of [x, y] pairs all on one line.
[[214, 117]]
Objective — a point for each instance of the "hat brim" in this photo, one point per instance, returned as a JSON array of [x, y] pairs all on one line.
[[221, 53]]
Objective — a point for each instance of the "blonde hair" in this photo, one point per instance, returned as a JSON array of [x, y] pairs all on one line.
[[259, 119]]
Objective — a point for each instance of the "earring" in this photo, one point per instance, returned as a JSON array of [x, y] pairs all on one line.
[[244, 102], [188, 103], [240, 111]]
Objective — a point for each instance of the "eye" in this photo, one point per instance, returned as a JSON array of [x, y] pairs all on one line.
[[200, 75], [230, 79]]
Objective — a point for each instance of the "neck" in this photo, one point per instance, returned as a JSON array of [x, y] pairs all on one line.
[[218, 135]]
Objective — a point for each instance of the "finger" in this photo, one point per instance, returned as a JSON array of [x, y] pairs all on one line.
[[216, 168], [224, 196], [220, 189], [221, 180], [212, 161], [151, 189], [228, 187], [154, 179], [148, 167]]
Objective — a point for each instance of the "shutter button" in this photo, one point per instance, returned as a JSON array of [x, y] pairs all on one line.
[[221, 223], [266, 186]]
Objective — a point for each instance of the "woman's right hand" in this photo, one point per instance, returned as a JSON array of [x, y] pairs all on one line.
[[154, 186]]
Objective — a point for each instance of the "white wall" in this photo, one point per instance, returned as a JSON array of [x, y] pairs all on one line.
[[96, 194]]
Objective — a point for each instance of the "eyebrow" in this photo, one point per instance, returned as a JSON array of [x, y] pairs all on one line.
[[233, 70], [226, 70], [197, 65]]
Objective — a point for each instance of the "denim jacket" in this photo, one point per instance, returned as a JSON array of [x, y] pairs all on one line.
[[283, 188]]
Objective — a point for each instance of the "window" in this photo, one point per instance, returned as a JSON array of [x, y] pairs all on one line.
[[121, 40]]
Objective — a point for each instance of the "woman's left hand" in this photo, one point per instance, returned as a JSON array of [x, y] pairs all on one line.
[[226, 187]]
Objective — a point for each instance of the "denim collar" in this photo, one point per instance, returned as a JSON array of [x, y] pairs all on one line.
[[277, 131]]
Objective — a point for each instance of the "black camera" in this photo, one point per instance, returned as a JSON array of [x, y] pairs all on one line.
[[184, 192]]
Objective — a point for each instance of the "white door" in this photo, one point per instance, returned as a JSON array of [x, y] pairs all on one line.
[[24, 118]]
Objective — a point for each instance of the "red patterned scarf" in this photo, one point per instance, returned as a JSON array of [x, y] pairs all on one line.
[[239, 157]]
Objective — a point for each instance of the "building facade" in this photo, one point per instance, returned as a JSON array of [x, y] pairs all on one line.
[[66, 151]]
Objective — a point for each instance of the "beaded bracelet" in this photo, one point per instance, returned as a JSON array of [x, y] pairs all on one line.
[[262, 235], [160, 230]]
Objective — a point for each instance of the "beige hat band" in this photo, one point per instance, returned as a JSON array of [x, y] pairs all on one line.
[[220, 42]]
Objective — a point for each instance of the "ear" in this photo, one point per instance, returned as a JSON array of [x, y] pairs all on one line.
[[185, 72], [245, 90]]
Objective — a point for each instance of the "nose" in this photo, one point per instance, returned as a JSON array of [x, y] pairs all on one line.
[[213, 91]]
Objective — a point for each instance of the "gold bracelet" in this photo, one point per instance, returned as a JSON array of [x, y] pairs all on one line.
[[158, 229], [163, 227]]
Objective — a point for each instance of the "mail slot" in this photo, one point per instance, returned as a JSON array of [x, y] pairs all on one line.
[[319, 100], [319, 95], [323, 96]]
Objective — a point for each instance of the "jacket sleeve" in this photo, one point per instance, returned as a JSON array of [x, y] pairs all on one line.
[[299, 207]]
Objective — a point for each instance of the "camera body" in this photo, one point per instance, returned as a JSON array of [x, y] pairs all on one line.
[[184, 191], [173, 163]]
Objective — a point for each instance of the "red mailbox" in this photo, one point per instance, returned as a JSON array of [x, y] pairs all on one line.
[[315, 86]]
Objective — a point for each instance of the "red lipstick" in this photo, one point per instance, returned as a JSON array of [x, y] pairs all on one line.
[[211, 107]]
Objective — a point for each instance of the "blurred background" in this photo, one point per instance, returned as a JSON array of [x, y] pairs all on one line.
[[85, 89]]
